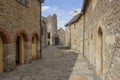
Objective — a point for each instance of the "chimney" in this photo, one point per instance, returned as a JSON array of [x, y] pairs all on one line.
[[75, 13]]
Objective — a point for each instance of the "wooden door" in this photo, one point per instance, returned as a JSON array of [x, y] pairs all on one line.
[[1, 55], [34, 44], [21, 49]]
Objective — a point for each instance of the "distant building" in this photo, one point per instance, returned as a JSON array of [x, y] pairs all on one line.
[[74, 32], [59, 37], [51, 28], [44, 32]]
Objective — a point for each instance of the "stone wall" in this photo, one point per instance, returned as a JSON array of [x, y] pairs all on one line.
[[44, 32], [18, 19], [101, 27], [61, 35], [104, 16], [76, 35], [67, 35]]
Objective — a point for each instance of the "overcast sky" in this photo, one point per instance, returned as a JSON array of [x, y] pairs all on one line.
[[63, 9]]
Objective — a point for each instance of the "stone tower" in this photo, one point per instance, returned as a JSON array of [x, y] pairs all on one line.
[[51, 27]]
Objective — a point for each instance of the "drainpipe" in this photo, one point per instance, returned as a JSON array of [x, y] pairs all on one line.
[[84, 34], [41, 1]]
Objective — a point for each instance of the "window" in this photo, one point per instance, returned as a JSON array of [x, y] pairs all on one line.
[[24, 2], [48, 35], [74, 26]]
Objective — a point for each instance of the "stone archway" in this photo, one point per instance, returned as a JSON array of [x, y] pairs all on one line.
[[99, 56], [35, 38], [19, 50], [4, 39], [20, 39]]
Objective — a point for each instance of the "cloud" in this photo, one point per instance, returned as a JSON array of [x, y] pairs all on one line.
[[45, 8], [61, 23], [63, 16]]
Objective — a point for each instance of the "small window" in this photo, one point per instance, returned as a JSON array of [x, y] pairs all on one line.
[[74, 26], [24, 2]]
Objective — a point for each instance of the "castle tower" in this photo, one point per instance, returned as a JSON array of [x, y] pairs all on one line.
[[51, 27]]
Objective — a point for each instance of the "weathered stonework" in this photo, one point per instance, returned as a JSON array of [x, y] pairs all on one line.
[[74, 34], [44, 32], [67, 35], [104, 16], [60, 34], [51, 27], [101, 29], [17, 19]]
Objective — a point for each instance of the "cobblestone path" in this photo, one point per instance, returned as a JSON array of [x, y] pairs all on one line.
[[57, 64]]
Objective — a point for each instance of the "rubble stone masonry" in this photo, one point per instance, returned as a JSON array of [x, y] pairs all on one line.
[[18, 19], [102, 18], [101, 35]]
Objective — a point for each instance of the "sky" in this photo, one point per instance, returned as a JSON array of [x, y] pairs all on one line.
[[63, 9]]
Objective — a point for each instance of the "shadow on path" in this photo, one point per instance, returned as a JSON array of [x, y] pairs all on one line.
[[57, 64]]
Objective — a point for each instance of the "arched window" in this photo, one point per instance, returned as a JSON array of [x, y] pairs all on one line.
[[99, 52]]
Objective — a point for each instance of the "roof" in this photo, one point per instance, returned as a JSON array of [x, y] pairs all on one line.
[[41, 1], [44, 19], [85, 4], [75, 18], [58, 31]]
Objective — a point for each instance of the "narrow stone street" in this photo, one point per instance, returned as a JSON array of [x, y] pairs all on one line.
[[57, 64]]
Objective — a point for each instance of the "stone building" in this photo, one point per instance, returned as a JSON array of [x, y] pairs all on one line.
[[44, 32], [74, 34], [100, 22], [67, 35], [19, 32], [51, 27], [59, 37]]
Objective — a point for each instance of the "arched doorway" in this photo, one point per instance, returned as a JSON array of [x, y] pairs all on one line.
[[4, 39], [57, 40], [34, 47], [21, 38], [19, 50], [1, 55], [99, 58]]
